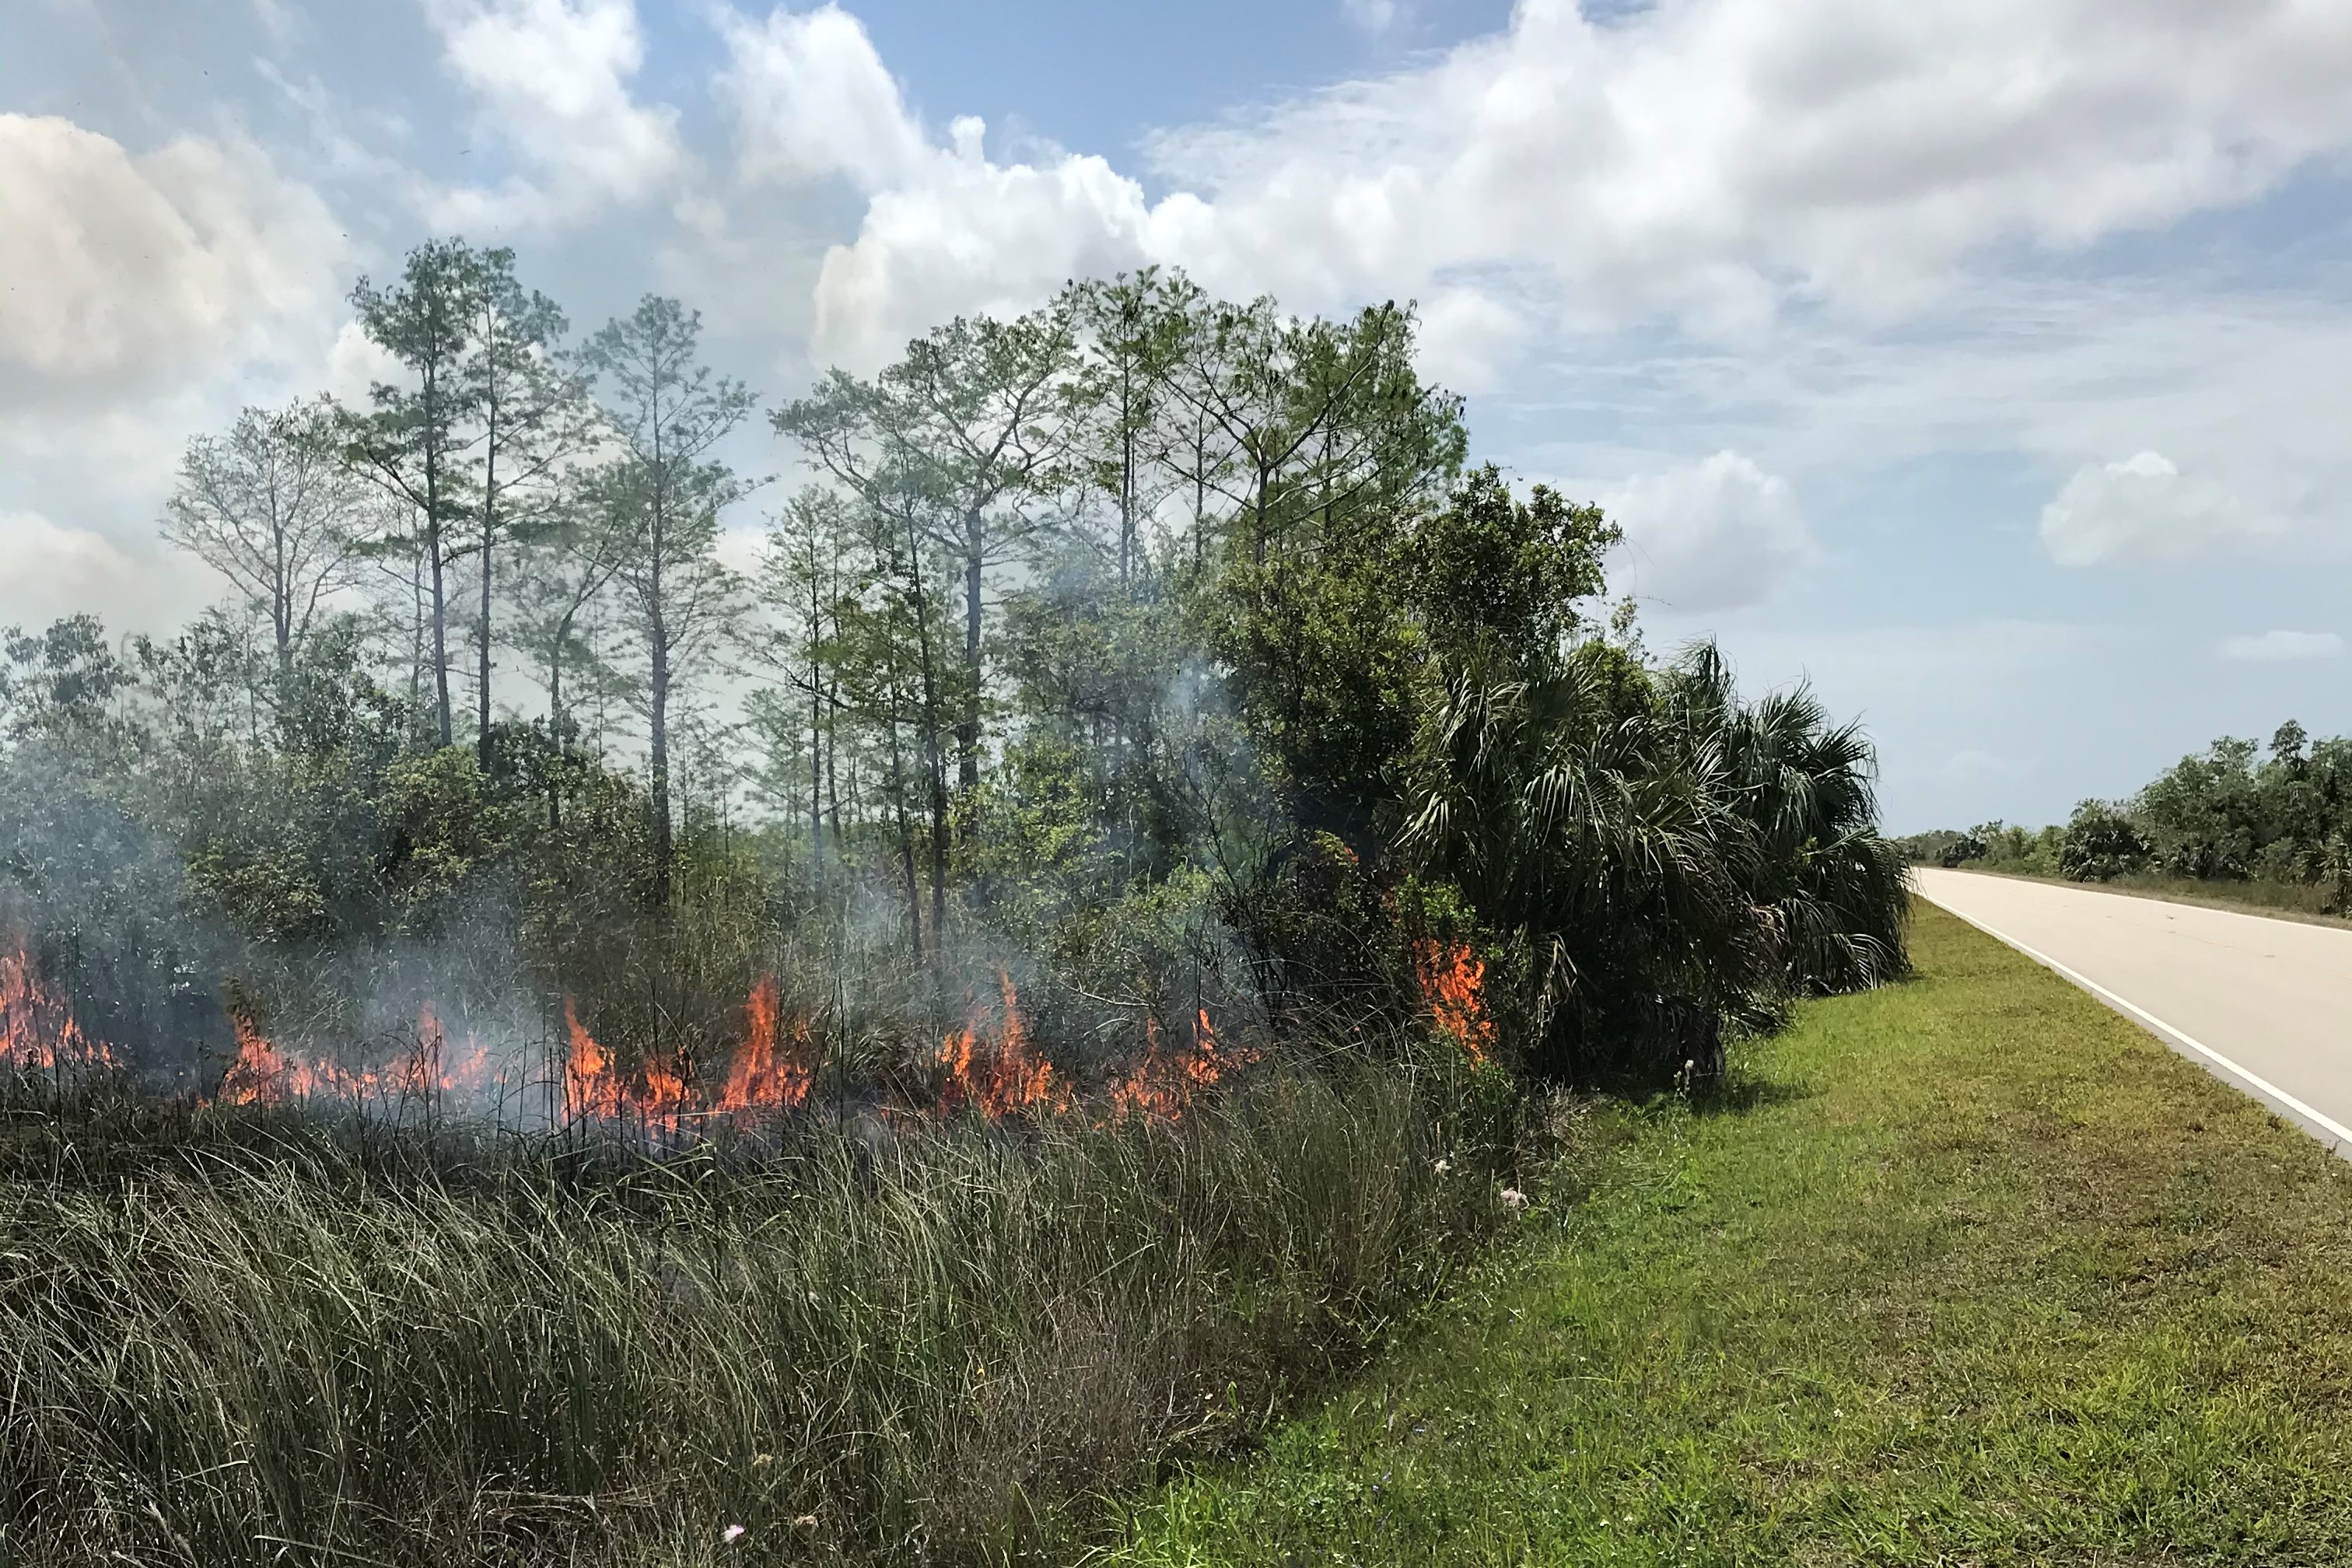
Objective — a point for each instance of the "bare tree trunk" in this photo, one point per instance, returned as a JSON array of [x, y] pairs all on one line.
[[555, 724], [440, 631], [658, 648], [281, 596], [968, 720], [906, 844], [490, 532], [433, 548]]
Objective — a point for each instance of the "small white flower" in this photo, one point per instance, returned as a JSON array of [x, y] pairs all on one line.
[[730, 1535], [1444, 1166], [1513, 1199]]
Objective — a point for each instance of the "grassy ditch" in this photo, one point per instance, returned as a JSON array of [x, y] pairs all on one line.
[[1968, 1270], [222, 1343]]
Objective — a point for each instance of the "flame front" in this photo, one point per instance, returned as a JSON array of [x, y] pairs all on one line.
[[1161, 1085], [764, 1075], [988, 1065], [997, 1075], [1453, 982], [37, 1031], [264, 1074]]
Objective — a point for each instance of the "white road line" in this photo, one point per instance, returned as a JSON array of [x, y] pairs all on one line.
[[2259, 1084]]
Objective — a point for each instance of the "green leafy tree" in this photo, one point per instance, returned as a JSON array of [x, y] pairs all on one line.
[[668, 412], [416, 438]]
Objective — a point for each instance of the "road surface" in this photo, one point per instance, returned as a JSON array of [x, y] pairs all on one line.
[[2265, 1004]]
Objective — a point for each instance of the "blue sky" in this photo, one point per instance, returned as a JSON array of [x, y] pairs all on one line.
[[1981, 361]]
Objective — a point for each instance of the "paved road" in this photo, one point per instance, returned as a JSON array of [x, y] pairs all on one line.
[[2265, 1004]]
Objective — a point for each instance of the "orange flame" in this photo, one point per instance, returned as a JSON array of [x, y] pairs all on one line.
[[590, 1088], [760, 1078], [1161, 1085], [997, 1076], [37, 1031], [596, 1090], [264, 1073], [260, 1075], [1453, 980]]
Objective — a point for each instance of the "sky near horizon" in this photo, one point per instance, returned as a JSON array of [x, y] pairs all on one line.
[[1987, 363]]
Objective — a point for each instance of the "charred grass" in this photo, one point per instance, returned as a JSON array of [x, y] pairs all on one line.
[[228, 1339], [1971, 1271]]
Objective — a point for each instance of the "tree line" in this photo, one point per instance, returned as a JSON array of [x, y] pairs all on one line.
[[2237, 812], [1159, 639]]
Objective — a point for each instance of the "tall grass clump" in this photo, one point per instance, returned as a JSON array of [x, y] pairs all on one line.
[[942, 1342]]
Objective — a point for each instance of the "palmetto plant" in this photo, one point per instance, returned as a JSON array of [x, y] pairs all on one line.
[[1656, 856], [1829, 887]]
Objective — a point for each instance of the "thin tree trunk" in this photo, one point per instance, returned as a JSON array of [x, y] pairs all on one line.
[[282, 598], [555, 724], [906, 844], [490, 532], [433, 548], [440, 632], [816, 725], [968, 720]]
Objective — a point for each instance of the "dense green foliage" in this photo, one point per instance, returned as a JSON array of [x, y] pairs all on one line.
[[1138, 702], [2228, 813]]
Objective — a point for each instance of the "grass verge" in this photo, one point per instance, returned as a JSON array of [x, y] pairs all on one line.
[[1968, 1270]]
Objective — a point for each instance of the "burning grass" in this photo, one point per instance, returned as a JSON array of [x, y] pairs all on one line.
[[233, 1331]]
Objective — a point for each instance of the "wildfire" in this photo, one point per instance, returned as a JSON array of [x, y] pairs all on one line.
[[771, 1070], [1452, 980], [997, 1075], [264, 1074], [989, 1064], [1162, 1084], [37, 1031], [763, 1076], [590, 1088], [260, 1075]]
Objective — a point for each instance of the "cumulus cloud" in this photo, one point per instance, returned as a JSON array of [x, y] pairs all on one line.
[[121, 275], [553, 78], [1717, 536], [811, 99], [2282, 648], [2144, 509], [1709, 159], [56, 571]]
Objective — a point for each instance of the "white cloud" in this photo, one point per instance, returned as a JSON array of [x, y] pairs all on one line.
[[124, 275], [1715, 535], [2282, 648], [812, 100], [2144, 509], [356, 362], [1469, 338], [553, 77], [1375, 17], [57, 572], [1707, 159]]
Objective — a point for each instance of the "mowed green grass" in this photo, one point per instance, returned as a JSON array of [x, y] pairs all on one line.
[[1970, 1271]]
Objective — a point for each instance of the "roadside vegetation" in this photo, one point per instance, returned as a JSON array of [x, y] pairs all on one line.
[[1964, 1270], [2229, 823], [527, 1035]]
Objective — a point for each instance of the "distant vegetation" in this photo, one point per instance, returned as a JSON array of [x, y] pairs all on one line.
[[2278, 825], [527, 1034]]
